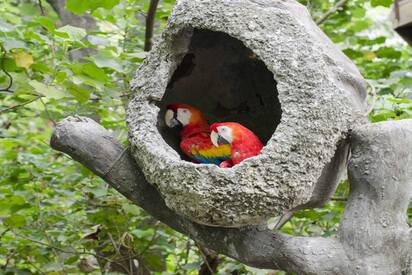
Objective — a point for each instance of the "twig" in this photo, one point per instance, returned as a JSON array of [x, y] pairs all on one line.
[[332, 10], [9, 256], [35, 267], [41, 8], [188, 246], [19, 105], [7, 89], [4, 233], [48, 113], [339, 199], [205, 260], [150, 18]]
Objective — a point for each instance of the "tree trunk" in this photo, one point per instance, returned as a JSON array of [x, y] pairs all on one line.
[[374, 237]]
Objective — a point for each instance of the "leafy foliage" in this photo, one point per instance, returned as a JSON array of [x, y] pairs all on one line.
[[56, 216]]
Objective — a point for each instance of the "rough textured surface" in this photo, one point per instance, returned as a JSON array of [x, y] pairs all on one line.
[[321, 94], [374, 238], [374, 228]]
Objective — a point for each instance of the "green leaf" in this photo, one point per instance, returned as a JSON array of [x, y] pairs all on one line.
[[111, 63], [80, 6], [385, 3], [16, 200], [131, 209], [46, 22], [5, 27], [45, 90], [399, 100], [388, 52], [15, 221], [352, 54], [81, 94], [142, 233], [71, 260], [10, 43], [74, 33], [94, 72], [106, 4], [360, 25], [383, 116], [77, 6], [98, 40], [10, 65], [359, 12]]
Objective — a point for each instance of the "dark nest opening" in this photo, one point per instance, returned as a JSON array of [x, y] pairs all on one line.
[[227, 82]]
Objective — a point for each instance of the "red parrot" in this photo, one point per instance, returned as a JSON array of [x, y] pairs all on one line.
[[243, 142], [195, 134]]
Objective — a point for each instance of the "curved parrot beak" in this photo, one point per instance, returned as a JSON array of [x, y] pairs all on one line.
[[171, 119], [217, 139], [214, 137]]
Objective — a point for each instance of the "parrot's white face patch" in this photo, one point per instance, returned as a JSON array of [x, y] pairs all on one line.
[[183, 116], [226, 133], [214, 137], [222, 136], [169, 119]]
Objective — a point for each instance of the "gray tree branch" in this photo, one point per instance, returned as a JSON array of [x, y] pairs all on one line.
[[374, 228], [374, 237], [93, 146]]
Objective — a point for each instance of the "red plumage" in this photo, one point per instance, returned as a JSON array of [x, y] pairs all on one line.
[[244, 143], [195, 136]]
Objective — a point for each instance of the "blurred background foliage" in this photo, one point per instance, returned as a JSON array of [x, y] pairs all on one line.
[[77, 58]]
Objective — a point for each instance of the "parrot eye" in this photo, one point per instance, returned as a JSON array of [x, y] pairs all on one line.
[[223, 129]]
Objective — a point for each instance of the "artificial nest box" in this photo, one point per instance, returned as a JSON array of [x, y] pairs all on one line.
[[262, 63], [402, 19]]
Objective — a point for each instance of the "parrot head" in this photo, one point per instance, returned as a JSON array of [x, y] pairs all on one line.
[[221, 133], [183, 115]]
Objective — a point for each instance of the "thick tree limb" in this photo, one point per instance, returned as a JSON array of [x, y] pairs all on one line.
[[374, 229], [374, 237], [92, 145]]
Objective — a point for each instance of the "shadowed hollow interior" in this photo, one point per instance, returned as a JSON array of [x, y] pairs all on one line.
[[227, 82]]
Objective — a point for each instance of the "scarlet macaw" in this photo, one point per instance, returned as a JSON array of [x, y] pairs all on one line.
[[195, 134], [243, 142]]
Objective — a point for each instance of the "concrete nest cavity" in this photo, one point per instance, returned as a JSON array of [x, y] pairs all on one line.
[[267, 65]]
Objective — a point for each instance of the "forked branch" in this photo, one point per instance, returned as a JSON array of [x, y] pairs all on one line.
[[93, 146]]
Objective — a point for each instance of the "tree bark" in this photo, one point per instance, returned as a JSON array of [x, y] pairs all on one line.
[[374, 237]]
